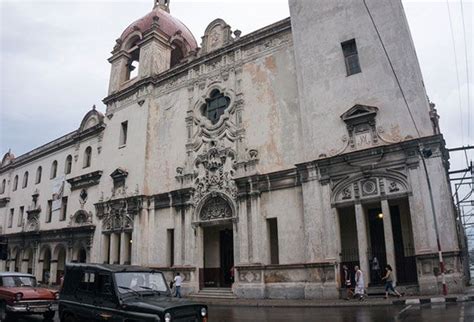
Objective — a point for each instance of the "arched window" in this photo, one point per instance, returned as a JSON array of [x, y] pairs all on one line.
[[15, 183], [134, 60], [176, 55], [54, 169], [68, 165], [2, 188], [87, 157], [25, 180], [39, 172]]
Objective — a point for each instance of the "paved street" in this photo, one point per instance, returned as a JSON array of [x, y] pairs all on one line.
[[462, 312]]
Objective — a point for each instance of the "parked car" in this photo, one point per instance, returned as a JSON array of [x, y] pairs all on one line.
[[96, 292], [20, 294]]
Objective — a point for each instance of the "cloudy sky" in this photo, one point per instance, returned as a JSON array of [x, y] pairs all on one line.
[[54, 68]]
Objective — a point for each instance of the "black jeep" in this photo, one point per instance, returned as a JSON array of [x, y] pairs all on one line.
[[101, 292]]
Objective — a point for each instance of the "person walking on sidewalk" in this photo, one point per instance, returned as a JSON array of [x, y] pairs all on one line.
[[347, 282], [389, 282], [360, 284], [177, 282]]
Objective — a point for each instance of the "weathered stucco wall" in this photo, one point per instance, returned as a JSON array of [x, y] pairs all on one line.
[[325, 90]]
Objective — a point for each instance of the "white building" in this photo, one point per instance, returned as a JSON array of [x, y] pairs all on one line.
[[284, 154]]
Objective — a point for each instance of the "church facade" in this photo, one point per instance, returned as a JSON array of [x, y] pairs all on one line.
[[260, 163]]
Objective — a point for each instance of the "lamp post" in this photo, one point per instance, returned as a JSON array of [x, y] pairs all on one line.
[[426, 153]]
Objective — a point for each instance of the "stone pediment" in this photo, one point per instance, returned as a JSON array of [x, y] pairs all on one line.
[[217, 35], [85, 180], [359, 113], [119, 174]]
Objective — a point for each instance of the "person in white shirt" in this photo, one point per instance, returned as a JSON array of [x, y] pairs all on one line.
[[360, 285], [177, 281]]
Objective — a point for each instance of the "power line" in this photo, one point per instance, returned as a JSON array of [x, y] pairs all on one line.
[[467, 75], [393, 69], [457, 70]]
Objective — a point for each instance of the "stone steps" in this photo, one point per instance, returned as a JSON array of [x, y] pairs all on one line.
[[215, 293]]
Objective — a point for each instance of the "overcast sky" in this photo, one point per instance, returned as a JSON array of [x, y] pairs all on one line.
[[54, 68]]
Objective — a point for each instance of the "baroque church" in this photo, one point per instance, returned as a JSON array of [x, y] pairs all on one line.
[[256, 164]]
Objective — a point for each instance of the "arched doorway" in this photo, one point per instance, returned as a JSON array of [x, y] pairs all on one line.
[[28, 262], [17, 260], [215, 218], [46, 273], [61, 263], [82, 255]]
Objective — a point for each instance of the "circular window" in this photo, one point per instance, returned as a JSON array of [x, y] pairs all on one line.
[[215, 106]]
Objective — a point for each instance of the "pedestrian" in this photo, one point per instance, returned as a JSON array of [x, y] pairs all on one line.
[[177, 282], [375, 270], [231, 274], [47, 275], [347, 282], [360, 285], [389, 282]]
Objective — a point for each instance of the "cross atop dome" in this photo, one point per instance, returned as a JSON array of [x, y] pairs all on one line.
[[162, 4]]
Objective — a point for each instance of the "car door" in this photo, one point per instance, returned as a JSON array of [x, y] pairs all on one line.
[[84, 296], [106, 302]]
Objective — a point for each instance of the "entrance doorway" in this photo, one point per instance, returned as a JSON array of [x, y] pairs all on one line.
[[377, 253], [218, 256]]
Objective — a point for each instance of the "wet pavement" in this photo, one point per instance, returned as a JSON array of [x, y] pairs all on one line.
[[460, 312]]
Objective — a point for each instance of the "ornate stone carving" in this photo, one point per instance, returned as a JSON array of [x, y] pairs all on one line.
[[369, 187], [215, 172], [215, 208], [118, 215], [393, 186], [80, 218]]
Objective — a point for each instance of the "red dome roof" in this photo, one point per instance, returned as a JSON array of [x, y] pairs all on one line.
[[167, 24]]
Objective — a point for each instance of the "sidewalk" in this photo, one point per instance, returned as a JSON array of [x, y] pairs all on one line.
[[374, 301]]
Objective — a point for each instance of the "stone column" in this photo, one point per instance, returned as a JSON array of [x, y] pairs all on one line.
[[362, 241], [135, 238], [331, 234], [114, 247], [105, 248], [313, 218], [189, 238], [388, 234], [420, 211], [124, 248], [150, 240], [178, 237], [242, 227], [260, 242], [53, 272]]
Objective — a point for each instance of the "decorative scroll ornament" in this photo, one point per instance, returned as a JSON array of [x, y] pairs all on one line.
[[215, 208], [215, 173]]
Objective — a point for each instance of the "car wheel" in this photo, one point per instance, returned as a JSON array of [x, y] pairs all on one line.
[[68, 318], [49, 316], [3, 311]]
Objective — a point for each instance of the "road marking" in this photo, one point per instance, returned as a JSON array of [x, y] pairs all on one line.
[[412, 301], [401, 312]]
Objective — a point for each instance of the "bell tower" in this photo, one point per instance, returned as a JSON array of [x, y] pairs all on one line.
[[150, 46]]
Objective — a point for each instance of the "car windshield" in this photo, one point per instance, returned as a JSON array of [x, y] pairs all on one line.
[[140, 281], [18, 281]]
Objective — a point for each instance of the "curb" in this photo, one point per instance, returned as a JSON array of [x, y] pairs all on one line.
[[335, 303], [435, 300]]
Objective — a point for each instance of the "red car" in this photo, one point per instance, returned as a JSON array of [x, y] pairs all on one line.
[[21, 295]]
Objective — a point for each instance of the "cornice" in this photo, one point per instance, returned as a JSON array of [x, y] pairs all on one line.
[[271, 30], [53, 146]]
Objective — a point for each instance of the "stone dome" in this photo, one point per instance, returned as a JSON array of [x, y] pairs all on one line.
[[168, 24]]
